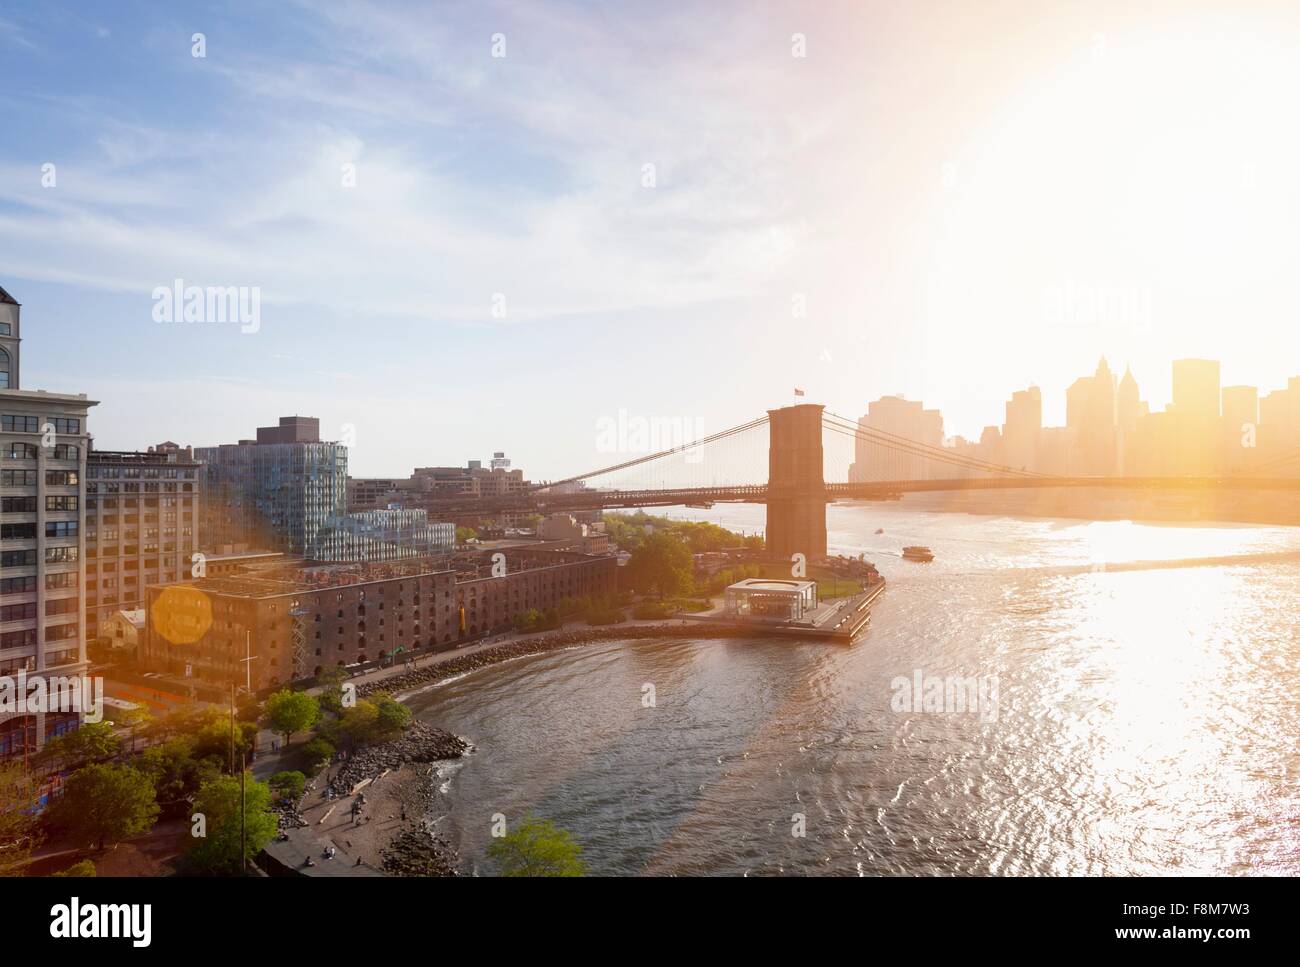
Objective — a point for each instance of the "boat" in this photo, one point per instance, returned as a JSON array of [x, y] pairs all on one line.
[[917, 553]]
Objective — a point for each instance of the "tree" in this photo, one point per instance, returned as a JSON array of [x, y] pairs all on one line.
[[138, 719], [288, 712], [331, 681], [228, 843], [106, 802], [181, 720], [19, 833], [359, 723], [318, 752], [211, 737], [537, 847], [393, 716], [662, 564], [289, 785], [92, 743], [465, 534], [175, 773], [83, 868]]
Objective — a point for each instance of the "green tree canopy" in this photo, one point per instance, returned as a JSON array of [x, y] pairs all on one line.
[[537, 847], [661, 564], [289, 785], [331, 681], [392, 715], [288, 712], [82, 868], [211, 736], [19, 833], [92, 743], [174, 771], [103, 803], [359, 723], [139, 720], [318, 751], [220, 850]]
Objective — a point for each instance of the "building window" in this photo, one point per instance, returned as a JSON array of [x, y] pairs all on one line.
[[18, 424]]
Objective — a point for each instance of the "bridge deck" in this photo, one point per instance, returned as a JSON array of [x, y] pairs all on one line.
[[541, 501]]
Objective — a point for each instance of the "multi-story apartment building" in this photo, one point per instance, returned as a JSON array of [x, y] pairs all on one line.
[[143, 513], [278, 491], [43, 443], [382, 535], [276, 624]]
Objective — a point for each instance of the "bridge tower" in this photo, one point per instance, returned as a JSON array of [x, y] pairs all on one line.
[[796, 491]]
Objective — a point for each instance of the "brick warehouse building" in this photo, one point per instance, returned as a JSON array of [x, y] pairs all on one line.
[[292, 622]]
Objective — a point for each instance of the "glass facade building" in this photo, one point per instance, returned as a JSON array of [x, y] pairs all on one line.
[[276, 495], [382, 535]]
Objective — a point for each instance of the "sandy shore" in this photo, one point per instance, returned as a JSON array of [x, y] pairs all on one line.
[[393, 802]]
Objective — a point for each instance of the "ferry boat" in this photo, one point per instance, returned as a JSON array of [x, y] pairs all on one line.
[[917, 553]]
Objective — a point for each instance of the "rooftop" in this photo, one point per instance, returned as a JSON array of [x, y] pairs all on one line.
[[772, 584], [6, 298], [274, 578], [154, 458]]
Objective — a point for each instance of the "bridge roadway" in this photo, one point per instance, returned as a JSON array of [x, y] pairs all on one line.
[[545, 502]]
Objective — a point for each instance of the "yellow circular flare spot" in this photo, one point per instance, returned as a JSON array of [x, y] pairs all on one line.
[[182, 614]]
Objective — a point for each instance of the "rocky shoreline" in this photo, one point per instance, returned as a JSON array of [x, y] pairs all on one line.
[[420, 743]]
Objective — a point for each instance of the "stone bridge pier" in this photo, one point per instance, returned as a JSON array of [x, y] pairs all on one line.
[[796, 491]]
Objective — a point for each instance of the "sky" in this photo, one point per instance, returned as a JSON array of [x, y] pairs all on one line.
[[499, 226]]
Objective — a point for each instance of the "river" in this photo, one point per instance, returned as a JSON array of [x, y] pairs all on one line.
[[1136, 716]]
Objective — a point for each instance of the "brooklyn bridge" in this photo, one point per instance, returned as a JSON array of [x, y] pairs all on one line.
[[797, 459]]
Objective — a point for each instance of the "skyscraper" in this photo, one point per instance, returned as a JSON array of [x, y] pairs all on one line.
[[1128, 405], [1196, 388], [1021, 431], [1128, 410], [1090, 410], [905, 418], [1196, 415]]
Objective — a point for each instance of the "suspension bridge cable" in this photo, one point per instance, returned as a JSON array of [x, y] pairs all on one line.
[[1272, 463], [902, 444], [627, 464], [939, 453], [917, 453]]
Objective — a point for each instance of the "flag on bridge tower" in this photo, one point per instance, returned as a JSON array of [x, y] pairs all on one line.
[[798, 391]]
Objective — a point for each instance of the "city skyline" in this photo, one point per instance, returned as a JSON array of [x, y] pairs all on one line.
[[768, 239], [1284, 407]]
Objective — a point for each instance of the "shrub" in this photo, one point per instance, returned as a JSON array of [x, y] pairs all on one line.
[[318, 752], [83, 868], [289, 785]]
